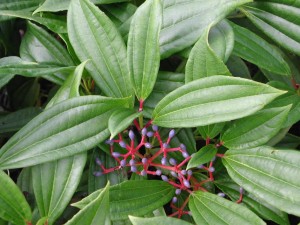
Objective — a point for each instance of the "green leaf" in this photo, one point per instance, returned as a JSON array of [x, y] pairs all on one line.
[[184, 22], [68, 128], [211, 100], [256, 205], [55, 23], [160, 220], [255, 130], [278, 20], [13, 205], [256, 50], [54, 184], [209, 208], [70, 88], [238, 67], [143, 47], [120, 120], [14, 121], [269, 174], [203, 61], [165, 83], [93, 36], [5, 79], [125, 198], [96, 212], [41, 47], [204, 155], [15, 65], [210, 131]]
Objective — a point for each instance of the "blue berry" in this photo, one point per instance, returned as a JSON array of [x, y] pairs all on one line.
[[122, 144], [241, 190], [221, 194], [143, 173], [185, 154], [158, 172], [116, 154], [173, 174], [133, 169], [171, 133], [150, 134], [144, 160], [144, 131], [165, 145], [154, 128], [183, 172], [178, 191], [172, 161], [200, 166], [164, 161], [98, 161], [164, 178], [148, 145], [131, 135], [186, 183], [211, 169], [97, 173], [182, 146], [189, 172], [132, 162], [123, 163], [174, 199], [109, 142]]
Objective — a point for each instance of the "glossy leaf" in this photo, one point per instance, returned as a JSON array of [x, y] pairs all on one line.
[[255, 130], [96, 212], [267, 173], [54, 184], [143, 47], [210, 131], [209, 208], [93, 36], [120, 120], [211, 100], [278, 20], [41, 47], [160, 220], [184, 22], [256, 50], [16, 120], [238, 67], [13, 205], [256, 205], [66, 129], [204, 155]]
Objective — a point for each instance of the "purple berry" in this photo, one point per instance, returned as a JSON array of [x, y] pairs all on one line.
[[122, 144], [164, 161], [173, 174], [165, 145], [190, 213], [164, 178], [131, 135], [132, 162], [154, 128], [171, 133], [116, 154], [183, 172], [123, 163], [186, 183], [185, 154], [221, 194], [143, 173], [158, 172], [211, 169], [172, 161], [97, 173], [144, 160], [133, 169], [189, 172], [109, 142], [241, 190], [178, 191], [182, 146], [144, 131], [174, 199], [148, 145], [98, 161], [150, 134]]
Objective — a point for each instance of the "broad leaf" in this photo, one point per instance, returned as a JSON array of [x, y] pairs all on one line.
[[120, 120], [13, 205], [210, 131], [204, 155], [256, 205], [160, 220], [209, 209], [279, 20], [16, 120], [238, 67], [93, 36], [211, 100], [184, 22], [66, 129], [143, 47], [54, 184], [269, 174], [255, 130], [256, 50], [203, 61], [96, 212]]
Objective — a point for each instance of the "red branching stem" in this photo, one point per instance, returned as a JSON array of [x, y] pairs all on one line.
[[184, 162], [240, 199], [137, 125], [141, 105], [148, 124], [211, 176]]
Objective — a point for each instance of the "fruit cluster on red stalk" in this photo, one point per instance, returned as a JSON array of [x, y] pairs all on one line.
[[145, 159]]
